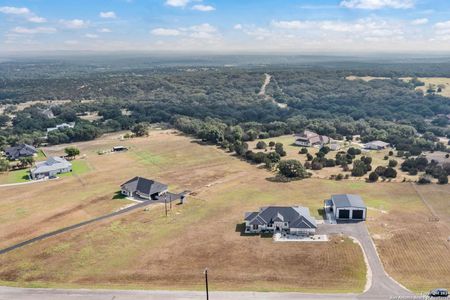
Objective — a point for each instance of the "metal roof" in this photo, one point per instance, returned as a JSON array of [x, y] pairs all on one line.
[[347, 200]]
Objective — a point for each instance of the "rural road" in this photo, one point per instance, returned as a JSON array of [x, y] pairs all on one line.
[[78, 225], [7, 293]]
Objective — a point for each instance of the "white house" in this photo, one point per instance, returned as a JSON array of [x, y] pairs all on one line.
[[61, 126], [50, 168], [376, 145], [280, 219]]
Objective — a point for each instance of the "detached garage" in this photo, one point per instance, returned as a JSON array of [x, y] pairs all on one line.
[[348, 207]]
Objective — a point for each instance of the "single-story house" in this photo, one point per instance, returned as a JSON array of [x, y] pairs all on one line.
[[50, 168], [143, 188], [309, 138], [20, 151], [284, 219], [376, 145], [61, 126], [347, 207]]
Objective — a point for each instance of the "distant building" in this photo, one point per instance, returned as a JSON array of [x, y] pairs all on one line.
[[347, 207], [309, 138], [281, 219], [47, 112], [61, 126], [50, 168], [376, 145], [119, 149], [20, 151], [143, 188]]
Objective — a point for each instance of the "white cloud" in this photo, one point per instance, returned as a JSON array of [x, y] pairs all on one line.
[[91, 36], [104, 30], [377, 4], [107, 15], [74, 24], [165, 32], [205, 27], [10, 10], [177, 3], [35, 30], [442, 29], [421, 21], [22, 12], [201, 7], [237, 26], [71, 42]]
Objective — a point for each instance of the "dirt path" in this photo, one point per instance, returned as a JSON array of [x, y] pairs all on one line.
[[262, 92]]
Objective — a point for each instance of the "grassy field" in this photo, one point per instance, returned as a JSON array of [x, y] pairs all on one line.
[[434, 81], [144, 249]]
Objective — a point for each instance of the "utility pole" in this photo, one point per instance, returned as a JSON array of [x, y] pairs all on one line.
[[206, 283], [165, 203]]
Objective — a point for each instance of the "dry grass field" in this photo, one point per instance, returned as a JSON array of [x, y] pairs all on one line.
[[144, 249]]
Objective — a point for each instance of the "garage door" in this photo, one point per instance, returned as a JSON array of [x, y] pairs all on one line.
[[344, 214], [357, 214]]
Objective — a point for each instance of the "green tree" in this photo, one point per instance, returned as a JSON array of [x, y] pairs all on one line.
[[261, 145], [4, 165], [72, 151], [140, 129], [26, 161], [393, 163], [443, 179], [292, 169]]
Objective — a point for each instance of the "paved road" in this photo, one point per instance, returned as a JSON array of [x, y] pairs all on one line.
[[382, 286], [51, 294]]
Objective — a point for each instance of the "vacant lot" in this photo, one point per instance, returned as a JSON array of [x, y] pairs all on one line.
[[144, 249]]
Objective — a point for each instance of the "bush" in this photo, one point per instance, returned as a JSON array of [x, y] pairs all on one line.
[[393, 163], [271, 144], [339, 176], [309, 157], [443, 179], [424, 180], [261, 145], [391, 153], [386, 157], [373, 177], [329, 163], [390, 173], [316, 166], [303, 151]]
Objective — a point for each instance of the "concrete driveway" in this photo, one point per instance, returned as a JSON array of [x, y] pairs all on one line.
[[380, 284]]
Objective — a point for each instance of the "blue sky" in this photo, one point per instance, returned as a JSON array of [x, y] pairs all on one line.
[[225, 25]]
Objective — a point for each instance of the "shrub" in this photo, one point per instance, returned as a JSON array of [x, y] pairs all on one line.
[[391, 153], [443, 179], [373, 177], [309, 157], [424, 180], [261, 145], [271, 144], [393, 163], [316, 166], [339, 176], [303, 151], [390, 173]]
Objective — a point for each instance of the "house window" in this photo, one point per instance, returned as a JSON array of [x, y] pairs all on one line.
[[255, 227]]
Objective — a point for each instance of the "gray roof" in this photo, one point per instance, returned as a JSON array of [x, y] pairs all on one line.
[[296, 216], [19, 151], [52, 164], [348, 200], [378, 144], [144, 186]]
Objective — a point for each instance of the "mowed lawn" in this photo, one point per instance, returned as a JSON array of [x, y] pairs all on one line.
[[145, 249]]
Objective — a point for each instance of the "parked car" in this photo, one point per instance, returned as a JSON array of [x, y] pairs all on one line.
[[438, 293]]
